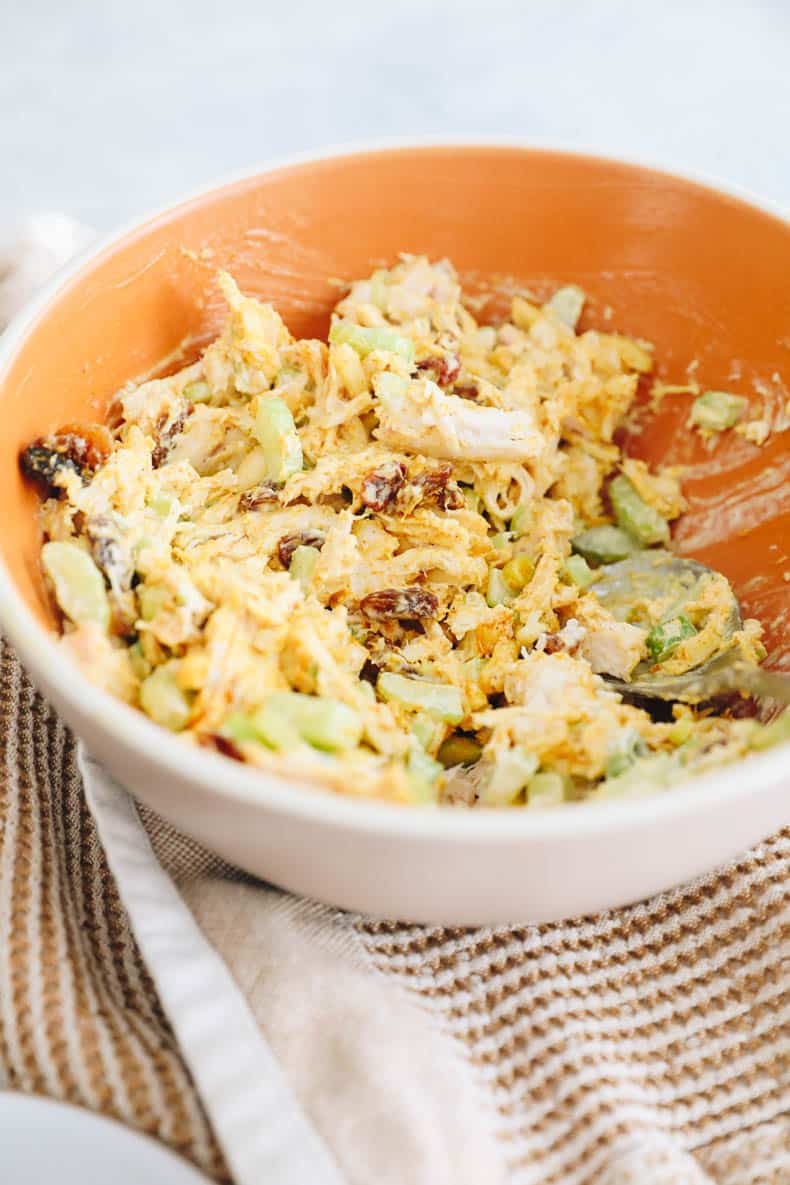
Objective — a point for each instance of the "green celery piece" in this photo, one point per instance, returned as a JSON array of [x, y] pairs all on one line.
[[501, 540], [546, 788], [510, 775], [604, 545], [634, 515], [77, 582], [518, 522], [441, 700], [654, 772], [715, 411], [162, 504], [624, 750], [303, 563], [197, 392], [324, 723], [163, 700], [577, 571], [498, 590], [276, 433], [365, 340], [472, 499], [423, 766], [426, 729], [240, 726], [666, 635]]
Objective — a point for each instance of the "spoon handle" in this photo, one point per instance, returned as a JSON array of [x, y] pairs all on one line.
[[757, 682]]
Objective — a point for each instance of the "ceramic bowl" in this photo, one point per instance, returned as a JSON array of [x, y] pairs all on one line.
[[699, 272]]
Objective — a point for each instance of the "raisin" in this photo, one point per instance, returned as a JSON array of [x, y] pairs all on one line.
[[380, 488], [47, 465], [444, 368], [466, 391], [262, 495], [72, 449], [402, 603], [289, 543], [167, 436], [437, 486]]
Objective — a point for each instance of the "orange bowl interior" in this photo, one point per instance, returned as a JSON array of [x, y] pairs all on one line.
[[700, 274]]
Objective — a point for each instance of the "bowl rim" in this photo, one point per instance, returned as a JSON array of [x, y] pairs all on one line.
[[216, 775]]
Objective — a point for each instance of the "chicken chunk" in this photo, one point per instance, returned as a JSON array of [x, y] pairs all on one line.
[[420, 417]]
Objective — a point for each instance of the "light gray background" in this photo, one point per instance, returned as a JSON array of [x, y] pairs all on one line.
[[108, 108]]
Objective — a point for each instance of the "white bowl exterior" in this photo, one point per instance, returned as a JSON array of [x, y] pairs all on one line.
[[521, 874]]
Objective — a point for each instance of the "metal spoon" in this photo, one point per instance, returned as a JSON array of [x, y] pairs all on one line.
[[650, 575]]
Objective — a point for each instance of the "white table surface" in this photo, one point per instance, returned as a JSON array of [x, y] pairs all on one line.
[[110, 108]]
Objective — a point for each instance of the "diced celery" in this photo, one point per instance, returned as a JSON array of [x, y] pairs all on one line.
[[426, 729], [508, 778], [715, 411], [275, 727], [162, 503], [197, 392], [365, 340], [520, 519], [471, 498], [276, 433], [624, 749], [577, 571], [546, 788], [441, 700], [604, 545], [303, 563], [163, 700], [500, 540], [152, 598], [498, 590], [518, 572], [634, 515], [139, 663], [325, 723], [424, 766], [666, 635], [77, 583], [423, 774], [458, 750], [646, 775], [568, 303], [239, 726]]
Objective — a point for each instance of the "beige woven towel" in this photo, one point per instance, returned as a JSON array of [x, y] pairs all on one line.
[[645, 1046]]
